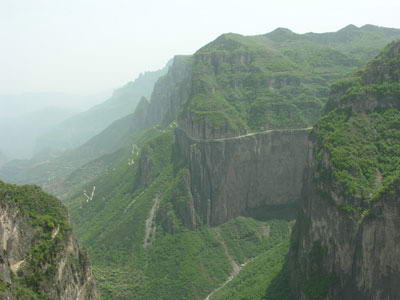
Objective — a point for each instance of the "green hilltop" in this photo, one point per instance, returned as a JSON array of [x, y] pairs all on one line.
[[136, 214], [277, 80]]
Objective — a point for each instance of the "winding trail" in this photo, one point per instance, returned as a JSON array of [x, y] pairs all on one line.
[[235, 267], [132, 202], [150, 229]]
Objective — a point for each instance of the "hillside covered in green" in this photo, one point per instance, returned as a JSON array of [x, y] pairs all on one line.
[[136, 233], [36, 245], [347, 228], [130, 188], [277, 80], [360, 130], [139, 226]]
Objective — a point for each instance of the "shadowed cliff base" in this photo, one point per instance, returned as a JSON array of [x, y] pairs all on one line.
[[243, 175], [269, 212]]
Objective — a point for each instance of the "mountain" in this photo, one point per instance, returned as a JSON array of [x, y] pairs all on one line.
[[345, 239], [59, 151], [51, 169], [234, 85], [40, 258], [193, 196], [19, 133], [78, 129], [278, 80], [3, 158], [15, 105], [208, 193]]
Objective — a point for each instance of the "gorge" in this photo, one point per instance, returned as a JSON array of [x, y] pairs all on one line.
[[260, 167]]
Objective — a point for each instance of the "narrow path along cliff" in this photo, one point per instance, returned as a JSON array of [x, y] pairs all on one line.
[[250, 134]]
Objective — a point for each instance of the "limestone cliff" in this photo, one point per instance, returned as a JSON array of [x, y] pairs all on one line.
[[170, 92], [39, 257], [346, 240], [240, 175]]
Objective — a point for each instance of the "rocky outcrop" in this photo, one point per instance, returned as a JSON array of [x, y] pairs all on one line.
[[338, 253], [203, 129], [39, 256], [170, 92], [236, 176], [345, 243]]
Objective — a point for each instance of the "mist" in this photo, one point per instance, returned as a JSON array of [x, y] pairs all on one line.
[[67, 56]]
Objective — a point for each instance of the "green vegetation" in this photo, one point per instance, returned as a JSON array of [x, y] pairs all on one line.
[[360, 133], [355, 171], [258, 280], [318, 284], [277, 80], [144, 238], [137, 216], [177, 261], [45, 214]]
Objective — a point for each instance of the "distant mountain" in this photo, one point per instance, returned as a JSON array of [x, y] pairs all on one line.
[[3, 158], [359, 42], [78, 129], [201, 182], [14, 105], [18, 134], [50, 168], [198, 191]]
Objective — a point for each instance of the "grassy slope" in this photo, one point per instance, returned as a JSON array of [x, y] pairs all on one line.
[[263, 278], [181, 263], [184, 263], [276, 80]]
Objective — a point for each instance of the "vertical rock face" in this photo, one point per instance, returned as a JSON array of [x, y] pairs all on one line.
[[346, 240], [236, 176], [39, 257], [170, 92], [343, 252]]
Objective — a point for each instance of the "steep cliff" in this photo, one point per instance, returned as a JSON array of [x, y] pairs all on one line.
[[205, 172], [39, 257], [50, 171], [139, 231], [345, 243], [180, 214], [242, 175], [170, 92]]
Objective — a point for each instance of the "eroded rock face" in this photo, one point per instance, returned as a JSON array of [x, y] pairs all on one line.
[[68, 276], [346, 241], [235, 176], [170, 92], [341, 255]]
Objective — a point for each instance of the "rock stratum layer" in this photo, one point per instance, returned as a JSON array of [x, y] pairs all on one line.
[[175, 188], [237, 176], [39, 257], [346, 239]]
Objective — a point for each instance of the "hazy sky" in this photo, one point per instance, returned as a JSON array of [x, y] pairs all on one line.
[[88, 46]]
